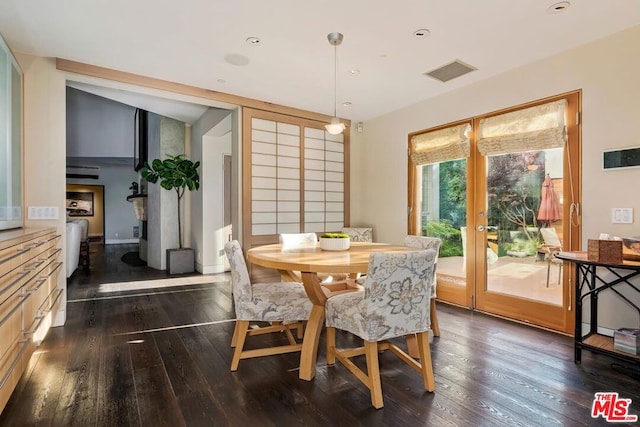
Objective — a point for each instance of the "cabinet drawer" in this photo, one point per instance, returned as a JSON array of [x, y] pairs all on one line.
[[40, 325], [12, 364], [11, 320], [12, 282], [10, 258]]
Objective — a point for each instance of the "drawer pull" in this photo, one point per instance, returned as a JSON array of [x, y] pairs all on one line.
[[14, 309], [39, 318], [5, 378], [15, 255], [12, 284], [36, 264], [57, 236], [55, 300], [52, 272], [40, 282]]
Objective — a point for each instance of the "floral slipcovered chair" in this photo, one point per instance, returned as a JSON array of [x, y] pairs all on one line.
[[434, 243], [392, 304], [283, 302], [359, 234]]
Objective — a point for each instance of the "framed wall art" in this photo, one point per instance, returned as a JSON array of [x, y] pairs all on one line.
[[79, 203]]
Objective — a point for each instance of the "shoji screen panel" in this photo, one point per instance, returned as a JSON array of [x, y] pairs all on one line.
[[275, 177], [324, 181], [294, 177]]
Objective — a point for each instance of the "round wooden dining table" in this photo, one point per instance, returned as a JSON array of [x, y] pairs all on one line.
[[309, 261]]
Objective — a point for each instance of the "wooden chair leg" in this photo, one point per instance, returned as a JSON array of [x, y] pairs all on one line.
[[373, 370], [300, 330], [242, 326], [234, 337], [425, 361], [412, 346], [331, 345], [435, 327]]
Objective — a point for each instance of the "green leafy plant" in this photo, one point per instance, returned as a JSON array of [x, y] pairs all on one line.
[[175, 173], [334, 236]]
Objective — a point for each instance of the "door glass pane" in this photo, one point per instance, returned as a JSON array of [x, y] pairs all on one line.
[[524, 224], [443, 214]]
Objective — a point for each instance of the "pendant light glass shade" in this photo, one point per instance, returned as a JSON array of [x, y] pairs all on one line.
[[335, 127]]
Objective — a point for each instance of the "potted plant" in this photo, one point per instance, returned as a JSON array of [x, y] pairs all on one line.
[[334, 241], [175, 173]]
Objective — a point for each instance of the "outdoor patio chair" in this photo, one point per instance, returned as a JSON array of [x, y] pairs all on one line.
[[552, 245]]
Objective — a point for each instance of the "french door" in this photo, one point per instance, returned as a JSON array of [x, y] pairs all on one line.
[[502, 208]]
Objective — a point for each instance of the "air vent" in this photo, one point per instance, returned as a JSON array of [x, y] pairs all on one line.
[[450, 71], [86, 172]]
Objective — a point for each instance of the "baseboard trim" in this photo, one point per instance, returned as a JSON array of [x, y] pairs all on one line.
[[120, 241], [210, 269]]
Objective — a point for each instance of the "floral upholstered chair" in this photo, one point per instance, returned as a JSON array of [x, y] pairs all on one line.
[[283, 304], [434, 243], [359, 234], [392, 304]]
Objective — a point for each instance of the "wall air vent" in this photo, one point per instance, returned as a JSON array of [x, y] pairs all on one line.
[[450, 71], [85, 172]]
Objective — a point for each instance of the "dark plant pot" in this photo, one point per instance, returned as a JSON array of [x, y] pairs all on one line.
[[180, 261]]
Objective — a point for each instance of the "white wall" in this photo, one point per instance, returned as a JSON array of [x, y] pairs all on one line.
[[606, 71], [211, 139]]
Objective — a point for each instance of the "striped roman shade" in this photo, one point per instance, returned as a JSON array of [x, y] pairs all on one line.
[[440, 145], [536, 128]]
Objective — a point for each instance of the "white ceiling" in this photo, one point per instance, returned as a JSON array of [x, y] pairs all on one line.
[[186, 41]]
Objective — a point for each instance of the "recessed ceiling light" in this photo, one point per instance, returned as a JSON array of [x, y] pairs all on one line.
[[346, 104], [421, 33], [354, 72], [236, 59], [558, 7], [254, 41]]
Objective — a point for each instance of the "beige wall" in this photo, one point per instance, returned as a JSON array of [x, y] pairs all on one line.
[[44, 146], [606, 71]]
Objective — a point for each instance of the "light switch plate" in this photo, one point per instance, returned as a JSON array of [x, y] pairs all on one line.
[[622, 215], [42, 212]]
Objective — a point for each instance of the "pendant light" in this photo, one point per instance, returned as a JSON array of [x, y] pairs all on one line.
[[335, 127]]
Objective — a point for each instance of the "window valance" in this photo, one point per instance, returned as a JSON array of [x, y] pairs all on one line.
[[440, 145], [535, 128]]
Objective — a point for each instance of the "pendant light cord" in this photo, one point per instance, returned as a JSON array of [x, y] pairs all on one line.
[[335, 80]]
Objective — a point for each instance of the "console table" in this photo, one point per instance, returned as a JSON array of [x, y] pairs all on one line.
[[589, 283]]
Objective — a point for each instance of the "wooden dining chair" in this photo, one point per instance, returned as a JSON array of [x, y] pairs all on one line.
[[392, 304], [284, 305], [423, 242]]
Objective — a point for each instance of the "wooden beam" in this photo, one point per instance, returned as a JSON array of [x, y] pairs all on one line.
[[183, 89]]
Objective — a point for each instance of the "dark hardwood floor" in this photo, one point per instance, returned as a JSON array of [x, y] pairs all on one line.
[[160, 357]]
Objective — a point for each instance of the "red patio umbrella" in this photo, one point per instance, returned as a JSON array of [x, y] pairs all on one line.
[[549, 209]]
